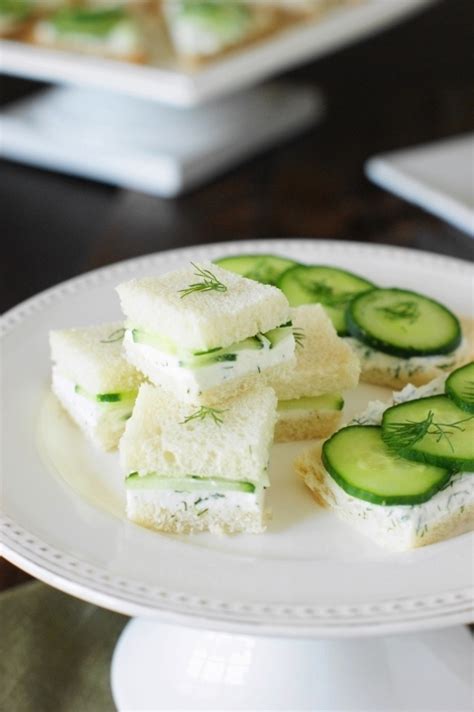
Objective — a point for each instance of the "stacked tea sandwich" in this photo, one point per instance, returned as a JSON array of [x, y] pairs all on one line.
[[193, 383], [196, 449]]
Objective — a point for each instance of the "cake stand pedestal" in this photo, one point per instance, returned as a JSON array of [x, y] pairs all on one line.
[[150, 147], [158, 666]]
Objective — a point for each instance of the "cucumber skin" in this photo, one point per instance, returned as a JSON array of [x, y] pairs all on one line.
[[221, 262], [200, 484], [366, 496], [342, 330], [359, 333], [451, 392], [454, 464]]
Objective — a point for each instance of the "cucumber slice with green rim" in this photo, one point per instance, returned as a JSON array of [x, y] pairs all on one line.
[[460, 387], [192, 483], [97, 22], [432, 430], [266, 269], [106, 397], [360, 462], [327, 402], [318, 284], [403, 323]]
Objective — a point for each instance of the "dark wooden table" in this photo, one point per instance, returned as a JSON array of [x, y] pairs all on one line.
[[409, 85]]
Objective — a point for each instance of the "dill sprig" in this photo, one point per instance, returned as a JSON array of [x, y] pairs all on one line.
[[405, 309], [299, 336], [324, 293], [205, 412], [116, 335], [400, 436], [210, 283]]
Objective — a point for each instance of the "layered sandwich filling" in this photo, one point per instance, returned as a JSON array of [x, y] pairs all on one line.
[[91, 29], [297, 408], [196, 493], [205, 28], [194, 372], [104, 413]]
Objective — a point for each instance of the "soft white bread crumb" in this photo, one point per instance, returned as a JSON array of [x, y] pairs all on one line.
[[309, 426], [206, 319], [92, 358], [144, 508], [382, 369], [227, 382], [158, 440], [324, 362]]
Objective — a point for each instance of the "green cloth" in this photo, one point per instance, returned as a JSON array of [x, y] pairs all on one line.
[[55, 652]]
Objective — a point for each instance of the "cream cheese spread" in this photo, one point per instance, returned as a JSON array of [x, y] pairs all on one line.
[[189, 383]]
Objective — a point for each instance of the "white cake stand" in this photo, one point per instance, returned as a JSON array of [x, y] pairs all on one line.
[[308, 616]]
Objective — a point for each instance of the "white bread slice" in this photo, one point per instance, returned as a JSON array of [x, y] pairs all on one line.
[[448, 513], [206, 319], [92, 358], [157, 438], [381, 369], [309, 426], [324, 362]]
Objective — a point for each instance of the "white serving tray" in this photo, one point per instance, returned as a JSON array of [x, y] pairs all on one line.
[[439, 177], [170, 84]]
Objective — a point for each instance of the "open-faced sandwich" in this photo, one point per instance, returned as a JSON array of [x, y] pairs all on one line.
[[112, 31], [402, 473], [204, 29]]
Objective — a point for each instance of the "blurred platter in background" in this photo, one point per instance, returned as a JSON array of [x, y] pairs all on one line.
[[180, 52]]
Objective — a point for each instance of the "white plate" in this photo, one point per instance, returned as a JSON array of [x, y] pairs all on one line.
[[308, 575], [170, 84], [438, 177]]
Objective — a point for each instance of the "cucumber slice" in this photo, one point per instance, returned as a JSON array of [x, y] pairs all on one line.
[[106, 397], [330, 286], [262, 268], [460, 387], [360, 462], [432, 430], [275, 336], [156, 340], [217, 354], [326, 402], [403, 323], [192, 483], [97, 22]]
